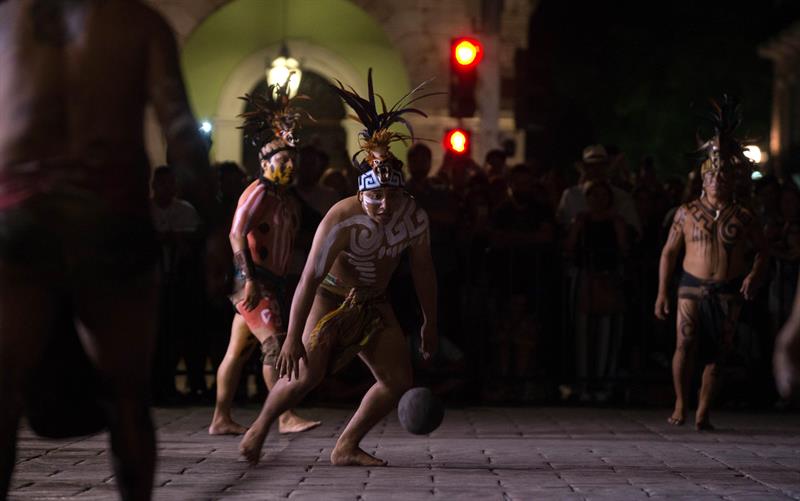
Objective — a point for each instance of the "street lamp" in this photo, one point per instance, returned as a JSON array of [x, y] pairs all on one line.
[[754, 153], [285, 67]]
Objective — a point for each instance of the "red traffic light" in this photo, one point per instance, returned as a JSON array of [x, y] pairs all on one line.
[[457, 141], [466, 52]]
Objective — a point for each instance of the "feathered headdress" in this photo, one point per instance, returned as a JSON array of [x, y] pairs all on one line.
[[376, 136], [723, 149], [273, 113]]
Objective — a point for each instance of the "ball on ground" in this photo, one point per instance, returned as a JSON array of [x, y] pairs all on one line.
[[420, 411]]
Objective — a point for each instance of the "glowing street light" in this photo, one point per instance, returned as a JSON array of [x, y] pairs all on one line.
[[285, 67], [206, 127], [754, 153]]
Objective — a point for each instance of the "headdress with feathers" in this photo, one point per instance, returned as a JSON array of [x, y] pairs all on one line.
[[273, 112], [376, 134], [723, 148]]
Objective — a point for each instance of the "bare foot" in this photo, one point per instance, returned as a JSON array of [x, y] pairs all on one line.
[[354, 457], [225, 427], [677, 418], [703, 424], [289, 422], [250, 446]]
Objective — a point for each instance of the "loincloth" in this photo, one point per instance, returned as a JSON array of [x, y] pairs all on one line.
[[350, 327], [74, 240], [715, 303], [268, 316]]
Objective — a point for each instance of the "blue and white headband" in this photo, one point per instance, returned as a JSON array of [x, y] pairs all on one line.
[[371, 181]]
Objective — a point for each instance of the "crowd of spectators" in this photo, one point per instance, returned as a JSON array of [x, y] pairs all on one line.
[[547, 278]]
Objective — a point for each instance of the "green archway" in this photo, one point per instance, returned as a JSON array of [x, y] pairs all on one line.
[[343, 32]]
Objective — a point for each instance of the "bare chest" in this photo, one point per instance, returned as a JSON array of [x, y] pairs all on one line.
[[705, 226], [374, 249]]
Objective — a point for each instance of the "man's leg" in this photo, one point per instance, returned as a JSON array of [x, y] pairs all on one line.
[[388, 358], [288, 422], [286, 394], [711, 371], [26, 315], [117, 324], [710, 375], [240, 347], [684, 353]]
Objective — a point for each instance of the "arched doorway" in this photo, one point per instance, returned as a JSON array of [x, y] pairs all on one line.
[[325, 132], [226, 55]]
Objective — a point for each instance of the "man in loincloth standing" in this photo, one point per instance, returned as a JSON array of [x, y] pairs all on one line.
[[340, 308], [75, 227], [262, 234], [715, 232]]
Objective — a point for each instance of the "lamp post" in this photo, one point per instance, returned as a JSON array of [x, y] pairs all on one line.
[[285, 67]]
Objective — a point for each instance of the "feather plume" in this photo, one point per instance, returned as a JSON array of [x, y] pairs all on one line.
[[271, 112], [376, 123]]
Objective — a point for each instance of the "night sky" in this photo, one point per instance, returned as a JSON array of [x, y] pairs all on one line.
[[637, 74]]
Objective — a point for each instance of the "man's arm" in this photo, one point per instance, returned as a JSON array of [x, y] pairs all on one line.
[[574, 232], [666, 266], [424, 276], [329, 241], [754, 279], [248, 206], [786, 359], [627, 209], [187, 151]]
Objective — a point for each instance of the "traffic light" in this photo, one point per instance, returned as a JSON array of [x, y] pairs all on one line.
[[465, 54], [457, 141]]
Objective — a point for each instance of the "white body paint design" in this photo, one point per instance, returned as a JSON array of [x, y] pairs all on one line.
[[369, 241]]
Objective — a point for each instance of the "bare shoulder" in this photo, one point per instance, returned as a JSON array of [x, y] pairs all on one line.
[[249, 191], [686, 209], [343, 210]]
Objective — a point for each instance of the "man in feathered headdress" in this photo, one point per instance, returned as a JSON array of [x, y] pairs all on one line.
[[715, 231], [340, 308], [262, 235]]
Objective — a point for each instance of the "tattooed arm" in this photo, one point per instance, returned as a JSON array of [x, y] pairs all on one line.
[[249, 203], [669, 254], [754, 279]]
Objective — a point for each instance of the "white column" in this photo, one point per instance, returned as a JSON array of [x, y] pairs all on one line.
[[488, 98]]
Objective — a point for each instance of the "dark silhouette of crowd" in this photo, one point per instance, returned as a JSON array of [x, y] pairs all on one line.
[[547, 279]]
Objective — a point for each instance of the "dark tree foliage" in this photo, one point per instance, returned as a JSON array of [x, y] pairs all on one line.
[[637, 74]]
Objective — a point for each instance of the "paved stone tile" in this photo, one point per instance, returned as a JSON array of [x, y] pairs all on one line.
[[478, 453]]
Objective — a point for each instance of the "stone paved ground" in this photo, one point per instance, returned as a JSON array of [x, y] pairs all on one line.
[[478, 453]]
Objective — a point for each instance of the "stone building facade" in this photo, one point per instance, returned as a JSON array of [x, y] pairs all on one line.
[[418, 30], [784, 143]]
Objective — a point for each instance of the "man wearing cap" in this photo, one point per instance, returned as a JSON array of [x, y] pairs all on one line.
[[340, 309], [594, 167]]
